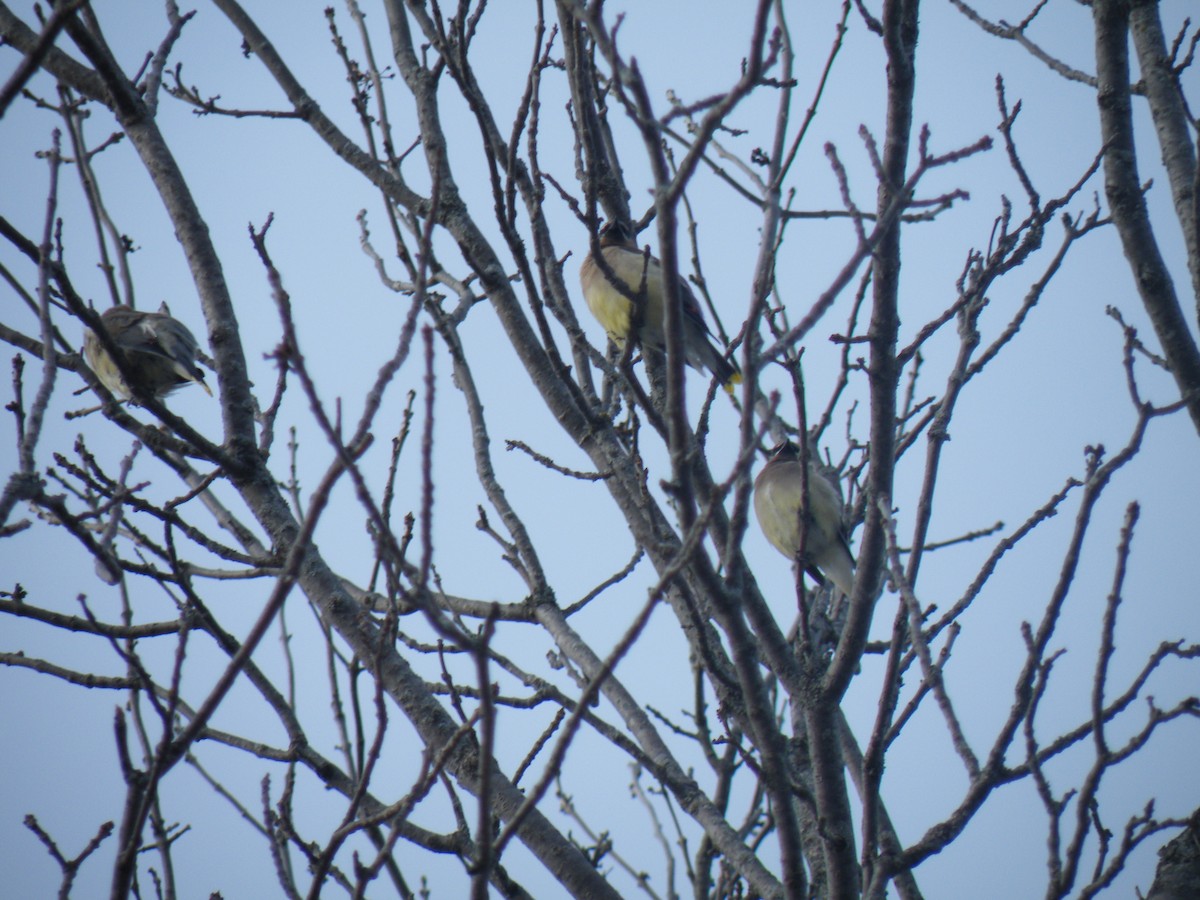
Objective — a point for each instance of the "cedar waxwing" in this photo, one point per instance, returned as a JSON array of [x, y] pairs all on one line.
[[160, 352], [614, 310], [777, 504]]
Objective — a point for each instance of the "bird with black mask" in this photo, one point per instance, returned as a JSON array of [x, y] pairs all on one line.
[[779, 503], [636, 277], [160, 352]]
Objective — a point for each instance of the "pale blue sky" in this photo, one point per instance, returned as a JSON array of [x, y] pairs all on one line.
[[1019, 432]]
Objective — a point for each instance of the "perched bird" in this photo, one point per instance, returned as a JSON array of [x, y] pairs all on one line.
[[778, 503], [614, 310], [159, 351]]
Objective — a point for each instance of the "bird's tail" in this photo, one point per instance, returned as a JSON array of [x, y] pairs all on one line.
[[199, 379], [726, 370]]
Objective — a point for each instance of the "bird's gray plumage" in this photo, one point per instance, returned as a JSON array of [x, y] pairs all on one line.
[[642, 275], [778, 502], [159, 351]]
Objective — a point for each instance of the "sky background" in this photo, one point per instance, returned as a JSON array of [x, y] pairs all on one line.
[[1018, 434]]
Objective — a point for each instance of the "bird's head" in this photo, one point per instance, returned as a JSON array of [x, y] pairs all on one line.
[[785, 450], [615, 234]]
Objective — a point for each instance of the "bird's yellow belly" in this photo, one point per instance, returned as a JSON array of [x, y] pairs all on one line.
[[612, 310], [778, 509]]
